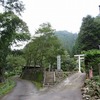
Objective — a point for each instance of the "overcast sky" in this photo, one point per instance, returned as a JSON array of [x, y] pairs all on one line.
[[62, 14]]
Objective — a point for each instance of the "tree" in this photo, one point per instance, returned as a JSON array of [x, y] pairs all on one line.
[[89, 35], [14, 64], [68, 63], [12, 29], [92, 59], [44, 47], [13, 6]]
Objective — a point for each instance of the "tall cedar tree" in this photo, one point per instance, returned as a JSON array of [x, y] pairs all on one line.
[[89, 35]]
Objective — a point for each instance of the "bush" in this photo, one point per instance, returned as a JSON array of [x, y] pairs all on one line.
[[91, 89], [6, 87], [38, 84], [92, 59], [96, 78]]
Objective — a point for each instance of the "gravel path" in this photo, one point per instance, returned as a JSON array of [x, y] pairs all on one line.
[[69, 89]]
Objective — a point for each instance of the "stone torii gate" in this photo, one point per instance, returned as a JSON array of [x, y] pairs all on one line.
[[80, 57]]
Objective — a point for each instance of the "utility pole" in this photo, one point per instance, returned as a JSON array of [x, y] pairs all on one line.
[[80, 57], [99, 11]]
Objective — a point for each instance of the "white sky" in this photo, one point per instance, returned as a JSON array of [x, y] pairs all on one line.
[[62, 14]]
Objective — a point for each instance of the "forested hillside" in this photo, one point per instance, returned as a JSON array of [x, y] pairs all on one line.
[[67, 39]]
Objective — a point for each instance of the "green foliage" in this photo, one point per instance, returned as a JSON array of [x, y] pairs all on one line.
[[6, 87], [89, 35], [12, 5], [89, 39], [96, 79], [67, 40], [92, 58], [12, 29], [38, 84], [34, 74], [38, 76], [92, 88], [14, 64], [44, 48], [68, 63]]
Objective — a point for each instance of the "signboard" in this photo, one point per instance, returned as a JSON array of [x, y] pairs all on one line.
[[58, 62]]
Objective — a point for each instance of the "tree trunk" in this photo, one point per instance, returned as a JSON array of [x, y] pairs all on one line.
[[1, 75]]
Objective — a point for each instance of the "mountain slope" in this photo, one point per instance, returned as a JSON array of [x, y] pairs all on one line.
[[67, 39]]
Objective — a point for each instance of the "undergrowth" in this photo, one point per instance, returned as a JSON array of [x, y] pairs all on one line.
[[6, 87]]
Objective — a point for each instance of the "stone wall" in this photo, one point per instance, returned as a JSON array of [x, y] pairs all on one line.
[[52, 78], [49, 78], [32, 73]]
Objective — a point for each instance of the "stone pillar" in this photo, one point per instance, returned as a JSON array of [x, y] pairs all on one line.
[[58, 62]]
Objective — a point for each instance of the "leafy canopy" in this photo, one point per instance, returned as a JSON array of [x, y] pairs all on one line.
[[44, 47], [12, 29], [89, 35], [92, 58]]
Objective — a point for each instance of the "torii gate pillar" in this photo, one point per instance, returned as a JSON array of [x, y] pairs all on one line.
[[80, 56]]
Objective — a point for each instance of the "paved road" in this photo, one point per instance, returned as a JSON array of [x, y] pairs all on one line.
[[69, 89], [22, 91]]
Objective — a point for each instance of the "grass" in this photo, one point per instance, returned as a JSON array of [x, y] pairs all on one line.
[[38, 85], [6, 87]]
